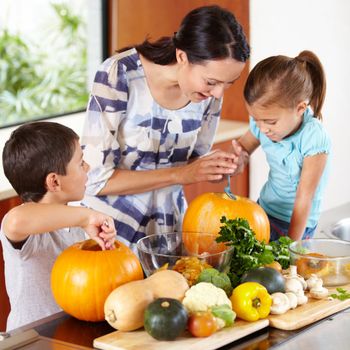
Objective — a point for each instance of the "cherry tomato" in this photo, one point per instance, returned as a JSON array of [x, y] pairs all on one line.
[[202, 324]]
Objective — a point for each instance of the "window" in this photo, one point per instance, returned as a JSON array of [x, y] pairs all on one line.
[[49, 53]]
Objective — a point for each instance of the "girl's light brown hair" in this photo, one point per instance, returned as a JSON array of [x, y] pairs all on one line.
[[286, 81]]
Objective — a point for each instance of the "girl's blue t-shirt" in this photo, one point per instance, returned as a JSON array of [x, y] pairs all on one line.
[[285, 159]]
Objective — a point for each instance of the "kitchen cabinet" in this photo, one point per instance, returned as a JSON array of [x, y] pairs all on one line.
[[132, 21], [5, 206]]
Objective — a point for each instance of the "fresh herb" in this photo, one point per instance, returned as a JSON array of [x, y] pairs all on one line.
[[248, 252], [281, 252], [343, 294]]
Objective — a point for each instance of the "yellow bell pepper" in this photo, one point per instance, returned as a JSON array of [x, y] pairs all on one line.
[[251, 301]]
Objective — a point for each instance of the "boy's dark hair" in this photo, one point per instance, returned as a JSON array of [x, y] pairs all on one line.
[[206, 33], [32, 152]]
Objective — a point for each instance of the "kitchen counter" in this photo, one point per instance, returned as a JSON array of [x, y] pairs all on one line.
[[71, 333], [329, 218]]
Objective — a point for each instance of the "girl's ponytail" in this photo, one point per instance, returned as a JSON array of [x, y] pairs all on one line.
[[314, 66]]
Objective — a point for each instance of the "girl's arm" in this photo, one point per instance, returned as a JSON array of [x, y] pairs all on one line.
[[311, 173], [36, 218], [210, 167], [242, 149]]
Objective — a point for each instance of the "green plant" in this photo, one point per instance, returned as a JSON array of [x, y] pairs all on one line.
[[248, 251], [37, 82]]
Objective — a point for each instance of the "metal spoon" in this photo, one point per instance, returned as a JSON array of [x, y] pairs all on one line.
[[227, 189]]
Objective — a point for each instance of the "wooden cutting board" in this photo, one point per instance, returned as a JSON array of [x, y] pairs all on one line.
[[311, 312], [303, 315], [140, 339]]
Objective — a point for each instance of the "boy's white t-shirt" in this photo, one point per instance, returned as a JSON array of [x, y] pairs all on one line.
[[28, 274]]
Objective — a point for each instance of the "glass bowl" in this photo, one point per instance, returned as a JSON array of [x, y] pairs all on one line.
[[327, 258], [160, 251]]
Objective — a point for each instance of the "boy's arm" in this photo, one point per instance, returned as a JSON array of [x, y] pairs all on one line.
[[36, 218], [311, 173]]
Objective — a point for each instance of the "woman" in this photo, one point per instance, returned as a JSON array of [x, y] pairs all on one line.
[[151, 121]]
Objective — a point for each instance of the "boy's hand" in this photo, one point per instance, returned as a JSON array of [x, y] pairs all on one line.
[[101, 229], [108, 233]]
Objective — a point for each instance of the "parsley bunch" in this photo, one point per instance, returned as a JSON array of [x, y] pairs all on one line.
[[248, 252]]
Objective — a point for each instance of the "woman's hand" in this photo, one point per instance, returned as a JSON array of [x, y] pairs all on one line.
[[100, 228], [211, 167]]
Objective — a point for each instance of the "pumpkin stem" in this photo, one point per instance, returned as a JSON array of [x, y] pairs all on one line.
[[110, 316], [165, 304]]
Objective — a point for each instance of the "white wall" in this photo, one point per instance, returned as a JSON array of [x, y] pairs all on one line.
[[323, 26]]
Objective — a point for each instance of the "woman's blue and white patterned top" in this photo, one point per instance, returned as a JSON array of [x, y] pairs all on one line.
[[125, 128]]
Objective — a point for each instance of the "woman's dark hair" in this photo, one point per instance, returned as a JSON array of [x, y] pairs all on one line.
[[206, 33], [286, 81], [32, 152]]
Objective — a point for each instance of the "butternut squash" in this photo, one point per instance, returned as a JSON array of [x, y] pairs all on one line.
[[125, 306]]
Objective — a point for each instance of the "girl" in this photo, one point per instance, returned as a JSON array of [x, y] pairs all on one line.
[[284, 97]]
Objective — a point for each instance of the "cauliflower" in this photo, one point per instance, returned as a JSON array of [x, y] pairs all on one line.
[[203, 296]]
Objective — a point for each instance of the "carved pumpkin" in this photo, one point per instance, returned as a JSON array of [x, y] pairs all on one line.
[[205, 211], [84, 275]]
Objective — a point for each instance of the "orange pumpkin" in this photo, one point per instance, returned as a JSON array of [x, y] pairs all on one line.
[[84, 275], [205, 211]]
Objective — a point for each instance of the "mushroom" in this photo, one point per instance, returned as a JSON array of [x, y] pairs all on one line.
[[280, 303], [318, 291], [293, 299], [302, 298], [312, 281], [292, 274], [293, 285]]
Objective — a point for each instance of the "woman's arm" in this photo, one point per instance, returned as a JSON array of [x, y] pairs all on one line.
[[210, 167], [311, 173], [36, 218]]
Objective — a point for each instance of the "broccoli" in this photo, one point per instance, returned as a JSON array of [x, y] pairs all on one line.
[[218, 279]]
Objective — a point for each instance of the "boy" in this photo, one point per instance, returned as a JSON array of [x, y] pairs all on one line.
[[44, 163]]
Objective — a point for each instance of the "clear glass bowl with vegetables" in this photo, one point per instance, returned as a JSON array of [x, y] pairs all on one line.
[[329, 259], [188, 253]]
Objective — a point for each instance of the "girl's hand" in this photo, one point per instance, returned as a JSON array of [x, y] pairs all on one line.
[[241, 157], [101, 229], [211, 167]]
